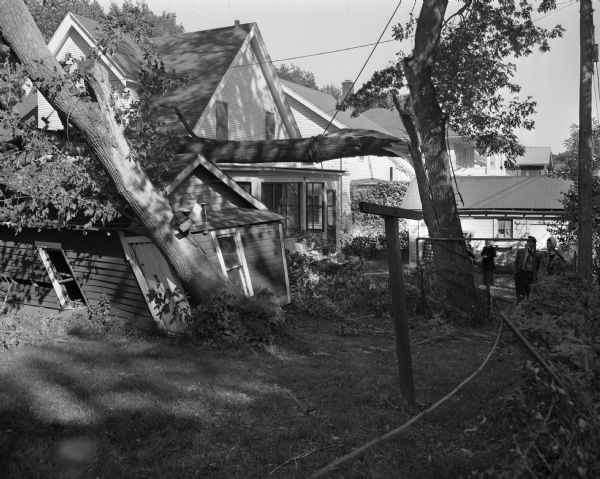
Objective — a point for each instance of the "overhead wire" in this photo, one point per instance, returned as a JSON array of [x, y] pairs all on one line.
[[365, 63]]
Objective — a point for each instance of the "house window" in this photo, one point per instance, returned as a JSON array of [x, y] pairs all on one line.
[[232, 259], [530, 171], [504, 228], [314, 206], [283, 198], [269, 125], [246, 186], [222, 121], [61, 276]]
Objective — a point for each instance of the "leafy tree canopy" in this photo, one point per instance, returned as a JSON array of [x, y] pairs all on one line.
[[473, 73], [49, 13], [51, 178], [296, 74], [565, 166]]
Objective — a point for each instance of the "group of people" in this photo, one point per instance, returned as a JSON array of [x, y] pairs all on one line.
[[526, 265]]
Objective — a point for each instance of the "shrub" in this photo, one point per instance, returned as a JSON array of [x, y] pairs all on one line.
[[556, 425], [234, 320]]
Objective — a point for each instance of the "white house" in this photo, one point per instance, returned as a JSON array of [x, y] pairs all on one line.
[[507, 207], [315, 113], [233, 93]]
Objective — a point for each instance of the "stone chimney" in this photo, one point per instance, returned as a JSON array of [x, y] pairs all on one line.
[[236, 23], [347, 89]]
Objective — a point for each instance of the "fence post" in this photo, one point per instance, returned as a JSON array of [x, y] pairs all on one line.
[[407, 388]]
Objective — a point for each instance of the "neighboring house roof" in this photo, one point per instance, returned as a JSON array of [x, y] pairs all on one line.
[[490, 194], [388, 119], [127, 53], [325, 105], [535, 156]]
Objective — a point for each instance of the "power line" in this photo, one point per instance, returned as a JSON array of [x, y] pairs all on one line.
[[365, 63], [308, 55], [567, 5]]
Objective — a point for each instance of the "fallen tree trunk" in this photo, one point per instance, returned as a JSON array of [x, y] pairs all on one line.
[[341, 144]]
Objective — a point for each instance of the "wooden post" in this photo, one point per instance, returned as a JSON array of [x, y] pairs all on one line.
[[584, 176], [394, 254], [392, 236]]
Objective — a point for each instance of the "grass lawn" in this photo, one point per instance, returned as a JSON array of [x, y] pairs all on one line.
[[165, 408]]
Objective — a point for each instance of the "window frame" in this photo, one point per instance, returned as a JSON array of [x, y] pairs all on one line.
[[504, 221], [245, 276], [277, 208], [66, 302], [311, 209]]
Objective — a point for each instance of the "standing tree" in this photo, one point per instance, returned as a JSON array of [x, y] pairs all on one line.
[[296, 74], [566, 166], [458, 76]]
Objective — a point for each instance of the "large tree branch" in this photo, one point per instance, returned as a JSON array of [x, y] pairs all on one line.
[[341, 144]]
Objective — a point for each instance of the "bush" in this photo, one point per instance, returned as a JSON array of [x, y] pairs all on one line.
[[556, 425], [235, 320], [365, 247]]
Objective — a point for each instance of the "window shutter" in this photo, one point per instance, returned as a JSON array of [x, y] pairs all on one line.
[[222, 121]]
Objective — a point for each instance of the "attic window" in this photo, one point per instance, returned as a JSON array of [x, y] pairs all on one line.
[[269, 125], [222, 119], [61, 275]]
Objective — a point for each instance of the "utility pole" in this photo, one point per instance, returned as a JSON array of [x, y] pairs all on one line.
[[584, 172]]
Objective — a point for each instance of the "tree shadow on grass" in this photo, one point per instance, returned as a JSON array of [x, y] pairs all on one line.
[[97, 409]]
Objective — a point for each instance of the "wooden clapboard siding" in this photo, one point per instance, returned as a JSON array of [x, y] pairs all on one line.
[[21, 261], [97, 261], [203, 187], [21, 295], [264, 258], [248, 97]]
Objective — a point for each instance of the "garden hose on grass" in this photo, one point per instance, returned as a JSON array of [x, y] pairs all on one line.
[[331, 466]]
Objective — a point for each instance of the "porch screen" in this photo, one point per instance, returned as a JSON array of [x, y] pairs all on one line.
[[284, 198], [314, 206]]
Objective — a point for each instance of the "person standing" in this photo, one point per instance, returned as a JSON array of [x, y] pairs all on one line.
[[526, 266], [488, 265], [556, 261]]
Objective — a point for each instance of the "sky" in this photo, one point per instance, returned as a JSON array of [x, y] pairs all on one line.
[[295, 28]]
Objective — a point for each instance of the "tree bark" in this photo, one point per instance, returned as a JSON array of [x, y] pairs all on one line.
[[106, 138], [427, 130], [341, 144], [584, 165]]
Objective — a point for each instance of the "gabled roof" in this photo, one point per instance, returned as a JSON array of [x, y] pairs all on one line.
[[324, 105], [501, 193], [205, 55], [535, 156], [127, 54], [184, 165]]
